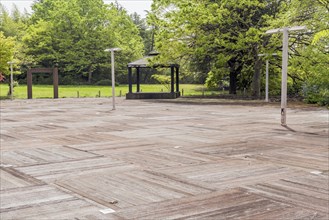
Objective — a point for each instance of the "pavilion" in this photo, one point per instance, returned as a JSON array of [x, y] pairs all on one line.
[[144, 63]]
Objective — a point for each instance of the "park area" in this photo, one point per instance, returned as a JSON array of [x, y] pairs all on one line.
[[185, 158], [93, 91]]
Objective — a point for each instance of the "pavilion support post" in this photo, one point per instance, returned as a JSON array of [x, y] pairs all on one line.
[[55, 81], [130, 80], [177, 79], [172, 79], [29, 84], [138, 79]]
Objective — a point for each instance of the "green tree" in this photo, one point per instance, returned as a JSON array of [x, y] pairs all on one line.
[[309, 54], [7, 49], [13, 24], [75, 33], [220, 37], [145, 31]]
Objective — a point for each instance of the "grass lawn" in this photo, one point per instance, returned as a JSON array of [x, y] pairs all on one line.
[[46, 91]]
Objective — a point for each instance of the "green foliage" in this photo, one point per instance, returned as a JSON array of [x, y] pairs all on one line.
[[163, 80], [14, 24], [218, 39], [212, 36], [309, 55], [75, 33], [324, 34], [12, 27], [106, 82], [6, 52], [145, 32]]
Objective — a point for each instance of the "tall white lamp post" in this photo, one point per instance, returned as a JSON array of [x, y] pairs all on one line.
[[11, 80], [285, 31], [267, 73], [113, 76]]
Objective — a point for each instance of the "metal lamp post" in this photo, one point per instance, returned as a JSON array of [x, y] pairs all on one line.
[[11, 80], [113, 76], [285, 41], [267, 74]]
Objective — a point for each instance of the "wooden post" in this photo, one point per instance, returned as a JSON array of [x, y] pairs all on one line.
[[172, 79], [130, 80], [11, 80], [177, 79], [29, 84], [138, 79], [55, 82]]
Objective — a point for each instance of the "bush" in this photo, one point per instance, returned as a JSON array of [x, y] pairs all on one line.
[[105, 82], [315, 95], [68, 80], [212, 80], [162, 79]]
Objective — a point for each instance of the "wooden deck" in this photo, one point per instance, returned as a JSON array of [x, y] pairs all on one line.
[[77, 159]]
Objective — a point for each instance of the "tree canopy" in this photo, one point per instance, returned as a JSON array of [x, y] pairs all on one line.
[[219, 40], [6, 52], [74, 34]]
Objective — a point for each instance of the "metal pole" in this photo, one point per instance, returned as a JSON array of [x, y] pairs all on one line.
[[285, 66], [266, 89], [11, 81], [113, 79], [284, 76]]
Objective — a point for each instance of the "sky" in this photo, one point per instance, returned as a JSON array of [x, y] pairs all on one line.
[[131, 6]]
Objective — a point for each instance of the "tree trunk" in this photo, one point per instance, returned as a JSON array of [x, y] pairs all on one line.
[[256, 79], [90, 74], [233, 79], [235, 70], [257, 74]]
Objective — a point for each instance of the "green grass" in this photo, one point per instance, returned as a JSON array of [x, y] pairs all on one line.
[[46, 91]]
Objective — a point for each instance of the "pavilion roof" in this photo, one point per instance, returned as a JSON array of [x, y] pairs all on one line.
[[144, 62]]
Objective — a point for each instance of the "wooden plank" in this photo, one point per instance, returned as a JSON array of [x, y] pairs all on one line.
[[43, 155], [308, 190], [11, 178], [130, 189], [53, 171], [15, 199], [63, 209], [232, 204], [227, 173]]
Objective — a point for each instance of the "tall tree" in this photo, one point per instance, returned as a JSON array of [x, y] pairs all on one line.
[[145, 31], [309, 54], [75, 33], [12, 27], [13, 24], [6, 52], [220, 37]]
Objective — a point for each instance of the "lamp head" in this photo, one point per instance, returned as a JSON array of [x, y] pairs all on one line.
[[112, 49]]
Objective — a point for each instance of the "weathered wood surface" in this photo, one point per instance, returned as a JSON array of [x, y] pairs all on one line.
[[205, 159]]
